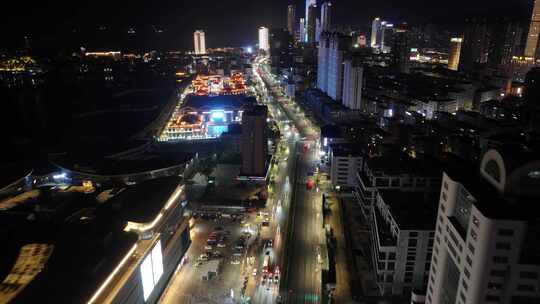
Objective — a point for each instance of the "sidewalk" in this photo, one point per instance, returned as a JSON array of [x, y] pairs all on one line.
[[343, 278]]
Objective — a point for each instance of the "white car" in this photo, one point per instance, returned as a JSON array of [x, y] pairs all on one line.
[[235, 262], [222, 245], [254, 272], [208, 247]]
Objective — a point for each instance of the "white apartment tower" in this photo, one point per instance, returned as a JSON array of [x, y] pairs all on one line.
[[199, 42], [336, 51], [263, 39], [322, 62], [486, 247]]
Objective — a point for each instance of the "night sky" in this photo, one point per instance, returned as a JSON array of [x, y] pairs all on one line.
[[230, 23]]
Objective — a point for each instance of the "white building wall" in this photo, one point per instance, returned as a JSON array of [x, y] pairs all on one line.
[[263, 39], [322, 65], [199, 42], [335, 70], [343, 170], [486, 258]]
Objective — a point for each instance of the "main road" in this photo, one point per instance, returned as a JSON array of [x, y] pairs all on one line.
[[303, 273]]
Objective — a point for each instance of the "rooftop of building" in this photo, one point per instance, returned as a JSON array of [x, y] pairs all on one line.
[[412, 210], [87, 242], [87, 238], [347, 150], [217, 102], [520, 196], [137, 159], [141, 204], [397, 162]]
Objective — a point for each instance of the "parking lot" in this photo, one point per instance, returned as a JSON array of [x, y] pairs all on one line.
[[226, 258]]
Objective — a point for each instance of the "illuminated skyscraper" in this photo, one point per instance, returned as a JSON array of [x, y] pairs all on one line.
[[199, 42], [534, 30], [326, 16], [375, 30], [291, 16], [455, 52], [263, 39]]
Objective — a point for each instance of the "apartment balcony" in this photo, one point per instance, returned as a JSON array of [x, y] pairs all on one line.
[[384, 235]]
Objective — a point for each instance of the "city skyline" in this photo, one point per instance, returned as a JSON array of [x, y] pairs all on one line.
[[271, 152], [165, 19]]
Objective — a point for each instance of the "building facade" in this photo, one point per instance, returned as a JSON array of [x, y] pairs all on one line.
[[455, 53], [344, 162], [326, 16], [534, 30], [254, 141], [375, 31], [485, 248], [353, 79], [264, 39], [311, 25], [402, 232], [307, 17], [291, 18], [199, 42]]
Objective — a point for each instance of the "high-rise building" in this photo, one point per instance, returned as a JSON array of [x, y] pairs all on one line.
[[291, 17], [302, 30], [330, 59], [281, 50], [402, 232], [326, 16], [400, 49], [475, 47], [311, 24], [505, 38], [337, 46], [375, 31], [254, 143], [490, 41], [455, 52], [486, 247], [387, 36], [353, 79], [199, 42], [534, 30], [306, 19], [322, 62], [263, 39], [318, 30]]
